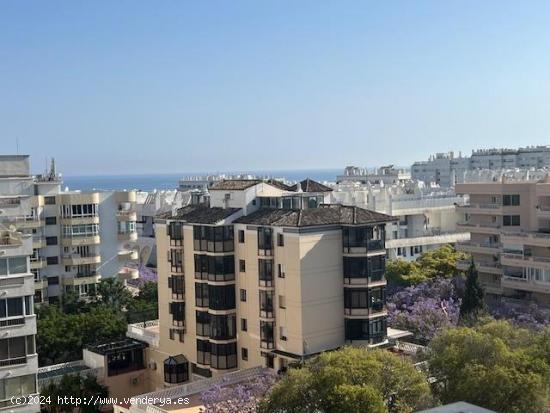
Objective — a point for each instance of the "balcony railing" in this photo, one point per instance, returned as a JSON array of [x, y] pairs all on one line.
[[14, 361]]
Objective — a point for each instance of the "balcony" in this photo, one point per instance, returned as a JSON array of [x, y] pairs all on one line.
[[126, 215], [76, 259], [479, 247], [125, 255], [10, 239], [525, 284], [82, 240], [481, 228], [41, 284], [535, 238], [38, 242], [81, 280], [128, 273], [79, 220], [519, 260], [26, 222], [489, 267], [38, 263], [127, 236], [543, 211], [482, 208]]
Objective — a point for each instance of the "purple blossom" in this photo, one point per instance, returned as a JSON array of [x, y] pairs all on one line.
[[238, 398], [528, 315], [426, 308]]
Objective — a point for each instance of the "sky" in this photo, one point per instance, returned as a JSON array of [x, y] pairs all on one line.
[[122, 87]]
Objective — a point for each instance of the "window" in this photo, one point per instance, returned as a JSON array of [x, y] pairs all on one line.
[[360, 329], [17, 386], [241, 236], [201, 295], [51, 221], [178, 314], [244, 353], [511, 220], [242, 266], [203, 352], [221, 297], [223, 356], [265, 240], [282, 333], [203, 323], [13, 265], [52, 260], [177, 284], [175, 233], [213, 239], [243, 295], [175, 258], [265, 268], [223, 327], [244, 325], [49, 200], [176, 369], [14, 350], [176, 332], [280, 240], [359, 239], [266, 304], [282, 302], [510, 200], [280, 272], [355, 298], [53, 280], [215, 268], [51, 240], [266, 334]]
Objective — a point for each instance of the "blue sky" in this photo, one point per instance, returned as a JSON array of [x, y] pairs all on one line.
[[117, 87]]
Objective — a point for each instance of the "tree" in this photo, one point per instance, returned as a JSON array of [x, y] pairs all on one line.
[[472, 302], [61, 337], [76, 386], [440, 262], [112, 293], [425, 309], [495, 365], [241, 398], [350, 380]]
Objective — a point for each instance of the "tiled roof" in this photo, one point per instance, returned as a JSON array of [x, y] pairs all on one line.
[[325, 215], [278, 184], [309, 185], [234, 184], [201, 214]]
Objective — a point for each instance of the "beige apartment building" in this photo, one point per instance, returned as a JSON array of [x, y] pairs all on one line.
[[265, 275], [509, 222]]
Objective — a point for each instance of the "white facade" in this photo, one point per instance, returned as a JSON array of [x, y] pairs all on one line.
[[445, 169], [427, 216], [387, 175]]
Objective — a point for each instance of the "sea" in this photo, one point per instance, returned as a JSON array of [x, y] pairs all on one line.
[[170, 181]]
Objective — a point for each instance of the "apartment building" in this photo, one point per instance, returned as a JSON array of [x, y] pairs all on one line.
[[77, 237], [446, 169], [265, 275], [508, 217], [426, 216], [386, 175], [18, 358]]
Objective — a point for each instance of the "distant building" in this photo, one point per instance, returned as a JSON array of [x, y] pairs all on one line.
[[427, 216], [446, 169], [508, 216], [458, 407], [387, 175]]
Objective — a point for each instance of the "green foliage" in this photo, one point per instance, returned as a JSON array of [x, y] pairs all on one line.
[[495, 365], [77, 387], [61, 336], [472, 303], [350, 380], [112, 293], [440, 262], [144, 306]]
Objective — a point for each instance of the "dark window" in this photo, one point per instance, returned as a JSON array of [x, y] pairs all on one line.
[[241, 236], [125, 361], [175, 233], [176, 369], [244, 353], [223, 356], [213, 239], [511, 220], [242, 265], [201, 267], [177, 285], [51, 221], [223, 327], [242, 293], [51, 240], [201, 295], [175, 258], [266, 304], [203, 352], [361, 239], [52, 260], [510, 200], [280, 272], [178, 314], [280, 240], [203, 323], [49, 200], [214, 268], [265, 240], [265, 269], [355, 298], [221, 297], [53, 280], [363, 267], [201, 371], [360, 329], [244, 324], [267, 339]]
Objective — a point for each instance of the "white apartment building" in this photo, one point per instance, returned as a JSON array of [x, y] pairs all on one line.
[[77, 237], [446, 169], [427, 216], [386, 175]]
